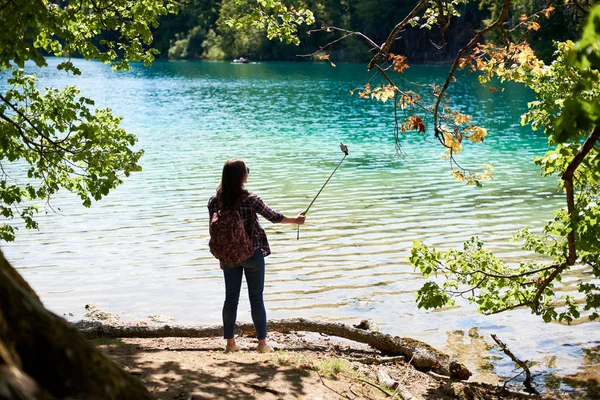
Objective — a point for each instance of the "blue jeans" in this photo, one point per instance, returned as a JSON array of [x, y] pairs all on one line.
[[254, 268]]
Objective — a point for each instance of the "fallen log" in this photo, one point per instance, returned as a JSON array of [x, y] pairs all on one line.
[[377, 360], [422, 356]]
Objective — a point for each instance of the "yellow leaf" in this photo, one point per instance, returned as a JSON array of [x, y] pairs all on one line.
[[460, 118], [452, 142], [456, 174], [414, 122], [398, 62], [478, 134]]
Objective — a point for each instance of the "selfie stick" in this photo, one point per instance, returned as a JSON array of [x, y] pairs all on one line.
[[344, 148]]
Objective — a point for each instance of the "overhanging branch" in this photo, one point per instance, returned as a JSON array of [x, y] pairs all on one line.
[[523, 365], [385, 47], [35, 128], [472, 42], [567, 177]]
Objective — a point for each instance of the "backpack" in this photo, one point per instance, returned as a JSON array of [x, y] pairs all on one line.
[[229, 242]]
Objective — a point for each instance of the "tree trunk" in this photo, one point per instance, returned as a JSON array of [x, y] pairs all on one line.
[[43, 357], [422, 355]]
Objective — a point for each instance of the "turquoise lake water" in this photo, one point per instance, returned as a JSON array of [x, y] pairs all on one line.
[[142, 251]]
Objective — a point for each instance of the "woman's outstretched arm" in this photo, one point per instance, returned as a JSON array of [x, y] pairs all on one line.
[[276, 217], [297, 220]]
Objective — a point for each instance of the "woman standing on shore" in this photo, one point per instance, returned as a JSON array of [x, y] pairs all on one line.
[[230, 195]]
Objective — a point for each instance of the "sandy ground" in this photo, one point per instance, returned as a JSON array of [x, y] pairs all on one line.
[[303, 366]]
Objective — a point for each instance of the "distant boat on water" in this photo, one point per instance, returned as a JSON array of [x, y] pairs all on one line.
[[241, 60]]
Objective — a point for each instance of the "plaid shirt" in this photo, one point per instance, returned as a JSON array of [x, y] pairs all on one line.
[[251, 206]]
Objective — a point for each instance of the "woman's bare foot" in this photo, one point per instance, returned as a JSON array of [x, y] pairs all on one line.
[[230, 347], [263, 347]]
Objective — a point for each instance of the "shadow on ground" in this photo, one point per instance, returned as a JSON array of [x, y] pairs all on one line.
[[206, 372]]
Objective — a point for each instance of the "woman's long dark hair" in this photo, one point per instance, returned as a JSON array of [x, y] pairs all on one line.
[[232, 183]]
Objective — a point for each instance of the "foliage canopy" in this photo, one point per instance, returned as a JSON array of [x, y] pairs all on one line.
[[566, 108], [55, 138]]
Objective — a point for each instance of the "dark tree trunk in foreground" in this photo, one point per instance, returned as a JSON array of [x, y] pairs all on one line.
[[422, 356], [43, 357]]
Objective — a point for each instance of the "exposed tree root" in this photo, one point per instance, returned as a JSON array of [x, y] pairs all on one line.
[[43, 357]]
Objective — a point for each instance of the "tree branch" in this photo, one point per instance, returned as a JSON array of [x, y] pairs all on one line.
[[521, 304], [6, 4], [581, 7], [526, 273], [326, 45], [567, 177], [387, 78], [385, 47], [521, 364], [583, 152], [473, 42], [492, 275], [335, 28], [546, 282], [427, 110], [35, 128]]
